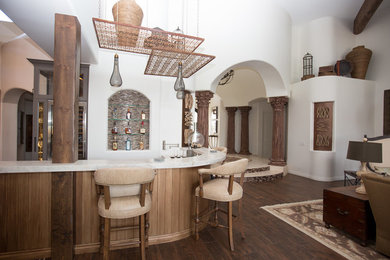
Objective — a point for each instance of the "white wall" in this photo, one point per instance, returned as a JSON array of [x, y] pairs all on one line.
[[241, 31], [245, 86], [165, 109], [260, 128], [376, 36], [17, 75], [353, 108], [328, 39]]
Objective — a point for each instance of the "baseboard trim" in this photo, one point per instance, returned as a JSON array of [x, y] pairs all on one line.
[[27, 254], [316, 178], [129, 243]]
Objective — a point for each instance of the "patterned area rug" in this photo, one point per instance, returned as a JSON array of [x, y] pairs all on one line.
[[307, 217]]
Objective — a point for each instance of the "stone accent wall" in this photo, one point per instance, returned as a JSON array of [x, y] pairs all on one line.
[[118, 104]]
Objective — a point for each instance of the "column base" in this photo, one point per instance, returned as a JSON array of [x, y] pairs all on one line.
[[245, 153], [277, 162]]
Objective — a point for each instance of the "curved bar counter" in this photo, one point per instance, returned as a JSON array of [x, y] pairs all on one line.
[[37, 197]]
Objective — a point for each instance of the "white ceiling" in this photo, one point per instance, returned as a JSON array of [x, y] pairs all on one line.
[[36, 17]]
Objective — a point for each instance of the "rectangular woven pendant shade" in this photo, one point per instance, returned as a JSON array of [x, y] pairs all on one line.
[[165, 63], [129, 38]]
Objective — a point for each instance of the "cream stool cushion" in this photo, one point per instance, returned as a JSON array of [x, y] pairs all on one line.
[[124, 207], [217, 189]]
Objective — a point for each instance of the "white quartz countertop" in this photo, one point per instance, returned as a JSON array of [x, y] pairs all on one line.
[[204, 157]]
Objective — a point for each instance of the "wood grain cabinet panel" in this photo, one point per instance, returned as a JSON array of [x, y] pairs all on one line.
[[25, 215]]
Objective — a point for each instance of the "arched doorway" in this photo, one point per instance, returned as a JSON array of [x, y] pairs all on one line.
[[265, 87], [25, 127], [9, 119]]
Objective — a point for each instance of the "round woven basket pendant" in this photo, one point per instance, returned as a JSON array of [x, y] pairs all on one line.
[[127, 12]]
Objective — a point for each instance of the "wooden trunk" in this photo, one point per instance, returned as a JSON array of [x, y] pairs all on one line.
[[349, 211]]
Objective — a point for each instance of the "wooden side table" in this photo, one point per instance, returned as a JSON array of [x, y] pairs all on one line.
[[350, 212]]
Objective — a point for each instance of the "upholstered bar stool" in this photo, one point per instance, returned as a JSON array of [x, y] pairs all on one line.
[[124, 193], [221, 190]]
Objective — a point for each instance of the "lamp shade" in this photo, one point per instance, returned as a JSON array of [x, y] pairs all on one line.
[[365, 151]]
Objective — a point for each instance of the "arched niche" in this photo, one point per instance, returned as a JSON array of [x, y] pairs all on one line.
[[119, 104], [9, 115]]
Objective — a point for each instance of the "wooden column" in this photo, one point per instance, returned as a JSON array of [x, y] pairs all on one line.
[[65, 95], [62, 221], [203, 101], [231, 129], [244, 129], [278, 134], [66, 88]]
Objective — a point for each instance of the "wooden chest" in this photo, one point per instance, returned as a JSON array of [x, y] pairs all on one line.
[[350, 212]]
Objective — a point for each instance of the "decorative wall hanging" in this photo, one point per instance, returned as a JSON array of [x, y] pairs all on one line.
[[323, 124], [226, 78]]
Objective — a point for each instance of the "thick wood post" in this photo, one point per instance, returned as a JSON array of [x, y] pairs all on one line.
[[278, 134], [244, 129], [203, 101], [66, 88], [231, 140], [65, 95], [62, 221]]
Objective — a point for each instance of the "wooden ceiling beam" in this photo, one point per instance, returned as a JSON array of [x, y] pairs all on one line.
[[364, 15]]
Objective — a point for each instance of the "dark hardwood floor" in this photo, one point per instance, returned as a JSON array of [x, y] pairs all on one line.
[[267, 237]]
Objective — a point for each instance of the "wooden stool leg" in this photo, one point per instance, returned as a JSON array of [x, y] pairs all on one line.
[[147, 230], [106, 242], [230, 221], [240, 219], [142, 235], [216, 214], [197, 218]]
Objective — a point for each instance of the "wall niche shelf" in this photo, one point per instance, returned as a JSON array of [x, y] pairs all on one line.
[[128, 120]]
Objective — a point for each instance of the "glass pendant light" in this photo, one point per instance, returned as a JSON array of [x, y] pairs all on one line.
[[179, 83], [180, 94], [116, 79]]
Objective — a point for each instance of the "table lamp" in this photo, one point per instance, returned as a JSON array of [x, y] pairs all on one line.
[[364, 152]]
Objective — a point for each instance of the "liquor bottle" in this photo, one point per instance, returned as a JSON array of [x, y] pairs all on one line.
[[128, 144], [114, 129], [114, 113], [141, 144], [142, 128], [128, 129], [143, 115], [114, 144], [128, 114]]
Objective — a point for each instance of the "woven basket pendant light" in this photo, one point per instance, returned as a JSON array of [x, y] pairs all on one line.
[[127, 12]]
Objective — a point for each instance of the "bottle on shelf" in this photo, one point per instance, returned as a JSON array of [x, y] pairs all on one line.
[[114, 144], [128, 129], [141, 143], [142, 128], [143, 115], [128, 144], [114, 113], [128, 114], [114, 129]]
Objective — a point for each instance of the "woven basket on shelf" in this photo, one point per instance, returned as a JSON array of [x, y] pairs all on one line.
[[127, 12], [360, 58]]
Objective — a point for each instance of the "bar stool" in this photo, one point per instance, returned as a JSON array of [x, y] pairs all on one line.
[[124, 193], [221, 190]]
